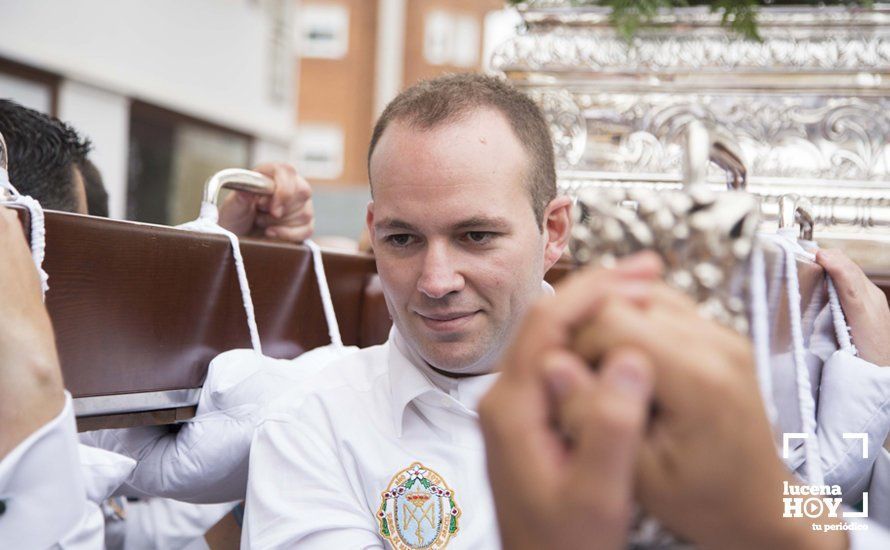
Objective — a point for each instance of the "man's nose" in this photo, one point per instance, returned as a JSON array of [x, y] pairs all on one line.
[[440, 276]]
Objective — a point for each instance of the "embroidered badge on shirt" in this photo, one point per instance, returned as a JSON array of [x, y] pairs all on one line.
[[418, 510]]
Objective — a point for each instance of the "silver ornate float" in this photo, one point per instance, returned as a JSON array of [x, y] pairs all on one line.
[[809, 106]]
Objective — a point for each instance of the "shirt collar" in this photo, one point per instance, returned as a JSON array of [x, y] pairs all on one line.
[[408, 379]]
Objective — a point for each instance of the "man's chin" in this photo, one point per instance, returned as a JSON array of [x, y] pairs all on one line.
[[453, 358]]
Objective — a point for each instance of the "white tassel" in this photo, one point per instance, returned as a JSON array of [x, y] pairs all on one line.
[[325, 292], [805, 398], [760, 331], [207, 222]]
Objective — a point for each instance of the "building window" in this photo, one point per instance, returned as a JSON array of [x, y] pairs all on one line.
[[171, 156]]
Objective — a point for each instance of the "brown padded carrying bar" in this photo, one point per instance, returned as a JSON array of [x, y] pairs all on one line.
[[141, 308]]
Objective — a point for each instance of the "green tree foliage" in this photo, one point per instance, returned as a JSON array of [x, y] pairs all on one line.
[[739, 15]]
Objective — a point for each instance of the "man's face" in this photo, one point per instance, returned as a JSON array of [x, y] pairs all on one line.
[[458, 250]]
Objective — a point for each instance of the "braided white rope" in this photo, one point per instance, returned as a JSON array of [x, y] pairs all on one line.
[[805, 399], [208, 222], [37, 230], [841, 329], [325, 292], [760, 331], [838, 319]]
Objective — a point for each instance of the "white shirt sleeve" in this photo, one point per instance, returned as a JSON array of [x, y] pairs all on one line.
[[298, 493], [879, 490], [854, 398], [204, 462], [163, 523], [41, 486], [89, 533]]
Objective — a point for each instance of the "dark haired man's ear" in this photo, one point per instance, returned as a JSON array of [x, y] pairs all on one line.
[[557, 227], [369, 220]]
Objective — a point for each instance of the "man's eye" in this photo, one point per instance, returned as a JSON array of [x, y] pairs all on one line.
[[399, 240], [479, 237]]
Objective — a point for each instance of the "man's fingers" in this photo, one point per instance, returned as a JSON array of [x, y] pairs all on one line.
[[291, 234], [291, 190], [245, 198], [551, 320], [643, 264], [617, 324], [609, 418], [580, 294], [569, 380], [293, 219], [515, 423], [844, 271]]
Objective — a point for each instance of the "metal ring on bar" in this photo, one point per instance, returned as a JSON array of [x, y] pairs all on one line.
[[796, 210], [237, 178], [706, 144]]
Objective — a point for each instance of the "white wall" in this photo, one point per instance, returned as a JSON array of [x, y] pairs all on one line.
[[211, 59], [33, 95], [499, 26], [104, 117], [270, 151], [390, 52]]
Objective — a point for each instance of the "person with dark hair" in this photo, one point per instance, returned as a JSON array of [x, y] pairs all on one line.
[[384, 447], [48, 161], [97, 196], [42, 494], [44, 155], [433, 103]]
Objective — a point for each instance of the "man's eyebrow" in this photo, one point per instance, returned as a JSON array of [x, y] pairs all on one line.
[[392, 223], [483, 221]]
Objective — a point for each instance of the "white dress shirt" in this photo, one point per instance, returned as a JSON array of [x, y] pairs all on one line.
[[323, 462], [205, 461], [41, 487]]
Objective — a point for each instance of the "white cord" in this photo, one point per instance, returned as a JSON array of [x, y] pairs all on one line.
[[841, 329], [207, 222], [38, 227], [805, 399], [325, 292], [760, 331]]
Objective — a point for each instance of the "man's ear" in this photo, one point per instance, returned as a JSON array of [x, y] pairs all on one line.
[[369, 220], [557, 229]]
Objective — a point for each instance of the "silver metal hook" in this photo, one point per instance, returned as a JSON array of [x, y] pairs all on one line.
[[706, 144], [796, 210], [237, 178]]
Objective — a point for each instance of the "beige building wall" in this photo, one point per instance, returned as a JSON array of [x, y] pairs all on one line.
[[340, 92]]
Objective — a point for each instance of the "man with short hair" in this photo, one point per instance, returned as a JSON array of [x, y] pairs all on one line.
[[384, 447], [42, 491], [48, 161], [464, 222], [44, 155]]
